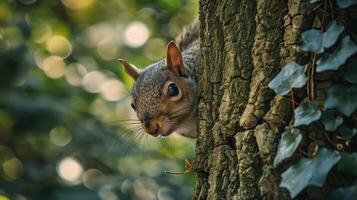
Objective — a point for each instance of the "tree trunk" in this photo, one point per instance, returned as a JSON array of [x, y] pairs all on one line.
[[244, 44]]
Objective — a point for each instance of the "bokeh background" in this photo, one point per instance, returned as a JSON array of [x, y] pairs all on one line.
[[65, 129]]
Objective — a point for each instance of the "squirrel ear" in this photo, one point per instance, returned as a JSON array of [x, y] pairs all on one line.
[[174, 56], [129, 69], [174, 59]]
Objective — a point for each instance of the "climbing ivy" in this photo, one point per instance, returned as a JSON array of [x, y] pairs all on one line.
[[290, 141], [351, 73], [307, 113], [343, 98], [309, 171], [331, 120], [291, 76], [317, 41], [331, 51], [333, 61]]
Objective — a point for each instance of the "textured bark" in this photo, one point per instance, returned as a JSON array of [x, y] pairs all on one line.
[[244, 44]]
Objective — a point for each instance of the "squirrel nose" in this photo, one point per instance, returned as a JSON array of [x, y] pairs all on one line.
[[151, 127]]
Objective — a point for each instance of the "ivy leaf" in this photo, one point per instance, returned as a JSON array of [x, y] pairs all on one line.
[[347, 193], [347, 133], [330, 36], [331, 120], [348, 163], [307, 172], [313, 1], [291, 76], [351, 73], [346, 3], [307, 113], [289, 141], [333, 61], [312, 41], [316, 41], [342, 98]]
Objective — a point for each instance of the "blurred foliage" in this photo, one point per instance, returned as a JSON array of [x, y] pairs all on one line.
[[65, 129]]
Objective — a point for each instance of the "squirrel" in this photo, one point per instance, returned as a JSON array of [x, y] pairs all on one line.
[[165, 93]]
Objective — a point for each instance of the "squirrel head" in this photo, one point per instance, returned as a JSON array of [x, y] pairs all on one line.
[[163, 93]]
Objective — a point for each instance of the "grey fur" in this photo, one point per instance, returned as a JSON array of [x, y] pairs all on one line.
[[189, 35], [149, 85]]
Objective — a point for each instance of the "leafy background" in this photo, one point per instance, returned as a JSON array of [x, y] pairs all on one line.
[[65, 129]]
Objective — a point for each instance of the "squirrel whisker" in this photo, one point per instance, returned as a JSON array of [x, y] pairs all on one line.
[[133, 135], [184, 109], [179, 113], [123, 120]]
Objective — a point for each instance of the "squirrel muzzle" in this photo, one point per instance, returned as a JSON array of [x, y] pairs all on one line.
[[152, 126]]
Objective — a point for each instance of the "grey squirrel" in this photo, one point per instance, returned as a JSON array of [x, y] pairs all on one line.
[[165, 93]]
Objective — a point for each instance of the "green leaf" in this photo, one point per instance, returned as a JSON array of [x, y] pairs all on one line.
[[307, 113], [347, 193], [331, 120], [289, 141], [346, 3], [351, 73], [291, 76], [307, 172], [348, 164], [343, 98], [314, 40], [330, 37], [347, 133], [313, 1], [333, 61]]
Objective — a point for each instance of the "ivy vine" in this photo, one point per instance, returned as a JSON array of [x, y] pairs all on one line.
[[340, 104]]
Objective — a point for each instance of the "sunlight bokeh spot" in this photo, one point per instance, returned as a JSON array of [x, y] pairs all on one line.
[[77, 4], [74, 73], [12, 168], [155, 49], [60, 136], [126, 186], [99, 107], [136, 34], [107, 193], [144, 190], [70, 170], [154, 168], [59, 46], [107, 50], [91, 178], [82, 70], [89, 64], [53, 66], [112, 90], [42, 31], [164, 194], [93, 81], [100, 34], [128, 166]]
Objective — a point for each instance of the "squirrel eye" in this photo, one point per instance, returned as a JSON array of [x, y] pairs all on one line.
[[172, 90], [133, 106]]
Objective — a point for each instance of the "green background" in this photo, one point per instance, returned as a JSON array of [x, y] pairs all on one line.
[[66, 129]]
